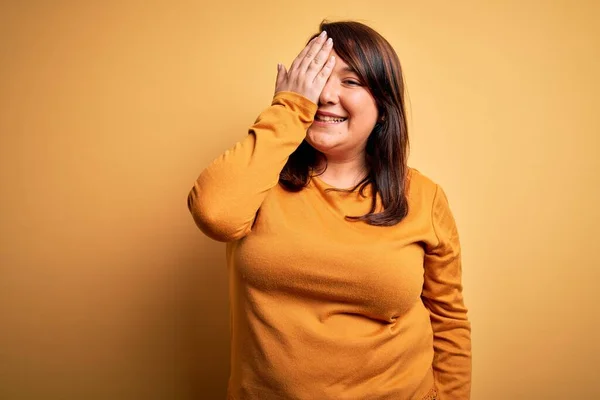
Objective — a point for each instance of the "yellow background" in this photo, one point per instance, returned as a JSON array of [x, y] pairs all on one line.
[[109, 111]]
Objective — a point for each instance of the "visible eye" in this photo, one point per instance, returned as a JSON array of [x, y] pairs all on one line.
[[352, 82]]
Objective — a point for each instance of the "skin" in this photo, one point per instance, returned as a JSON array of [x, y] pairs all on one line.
[[328, 81]]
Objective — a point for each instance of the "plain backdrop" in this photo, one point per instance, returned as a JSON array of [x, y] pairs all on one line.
[[109, 110]]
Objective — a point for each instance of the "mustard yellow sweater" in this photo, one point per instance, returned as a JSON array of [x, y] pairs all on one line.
[[323, 308]]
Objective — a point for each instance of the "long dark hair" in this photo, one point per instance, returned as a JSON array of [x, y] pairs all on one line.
[[378, 66]]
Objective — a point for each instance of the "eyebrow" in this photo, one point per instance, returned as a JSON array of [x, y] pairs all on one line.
[[348, 68]]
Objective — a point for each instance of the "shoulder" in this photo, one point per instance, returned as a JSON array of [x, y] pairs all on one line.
[[428, 197], [420, 186], [424, 195]]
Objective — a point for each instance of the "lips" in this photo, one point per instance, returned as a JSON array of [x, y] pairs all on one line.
[[330, 118]]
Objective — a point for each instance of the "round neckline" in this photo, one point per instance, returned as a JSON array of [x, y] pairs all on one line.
[[320, 182]]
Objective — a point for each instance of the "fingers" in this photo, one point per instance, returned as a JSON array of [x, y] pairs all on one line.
[[310, 70], [315, 65], [321, 47], [304, 51], [325, 72]]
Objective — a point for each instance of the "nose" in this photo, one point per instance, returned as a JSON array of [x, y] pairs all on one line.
[[330, 93]]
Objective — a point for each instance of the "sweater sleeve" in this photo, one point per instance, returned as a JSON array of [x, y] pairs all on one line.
[[442, 295], [228, 193]]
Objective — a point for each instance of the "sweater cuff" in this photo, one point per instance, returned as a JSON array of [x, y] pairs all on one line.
[[304, 107]]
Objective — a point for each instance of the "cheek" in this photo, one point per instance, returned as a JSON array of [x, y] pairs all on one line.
[[364, 118], [363, 122], [363, 110]]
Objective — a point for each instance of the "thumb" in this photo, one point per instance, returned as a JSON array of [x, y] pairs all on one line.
[[281, 75]]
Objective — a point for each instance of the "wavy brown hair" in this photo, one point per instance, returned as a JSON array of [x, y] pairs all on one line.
[[378, 67]]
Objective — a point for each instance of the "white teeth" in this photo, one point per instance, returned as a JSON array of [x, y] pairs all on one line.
[[325, 118]]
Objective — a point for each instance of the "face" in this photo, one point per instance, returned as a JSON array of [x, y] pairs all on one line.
[[346, 116]]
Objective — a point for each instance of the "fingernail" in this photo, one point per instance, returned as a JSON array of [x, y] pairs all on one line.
[[323, 34], [278, 66], [329, 41]]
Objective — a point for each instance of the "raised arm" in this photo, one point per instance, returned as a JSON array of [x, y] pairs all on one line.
[[228, 193]]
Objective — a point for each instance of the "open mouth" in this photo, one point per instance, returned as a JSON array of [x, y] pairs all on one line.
[[329, 120]]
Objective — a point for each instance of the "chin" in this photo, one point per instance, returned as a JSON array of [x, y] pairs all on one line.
[[322, 142]]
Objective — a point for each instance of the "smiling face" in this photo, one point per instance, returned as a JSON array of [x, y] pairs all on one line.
[[346, 116]]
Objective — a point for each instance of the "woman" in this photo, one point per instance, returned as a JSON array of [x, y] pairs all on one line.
[[345, 273]]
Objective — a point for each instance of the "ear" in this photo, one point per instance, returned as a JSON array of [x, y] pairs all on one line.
[[380, 114]]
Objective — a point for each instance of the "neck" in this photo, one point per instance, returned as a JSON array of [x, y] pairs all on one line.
[[342, 172]]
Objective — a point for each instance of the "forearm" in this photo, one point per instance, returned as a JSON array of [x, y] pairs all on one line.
[[452, 353], [228, 193]]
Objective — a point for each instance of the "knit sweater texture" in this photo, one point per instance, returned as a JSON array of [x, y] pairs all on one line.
[[323, 308]]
